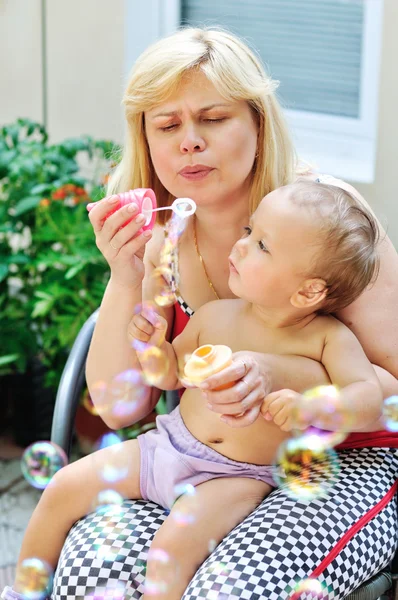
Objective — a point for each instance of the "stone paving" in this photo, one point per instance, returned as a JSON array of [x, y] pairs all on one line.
[[17, 502]]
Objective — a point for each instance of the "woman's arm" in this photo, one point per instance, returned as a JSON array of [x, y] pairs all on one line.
[[373, 317]]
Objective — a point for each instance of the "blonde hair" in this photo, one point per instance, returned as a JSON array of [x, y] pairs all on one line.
[[348, 258], [237, 74]]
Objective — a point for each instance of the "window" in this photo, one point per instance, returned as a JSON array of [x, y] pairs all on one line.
[[325, 53]]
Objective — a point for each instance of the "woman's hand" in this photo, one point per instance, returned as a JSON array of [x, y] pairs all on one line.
[[240, 404], [116, 238]]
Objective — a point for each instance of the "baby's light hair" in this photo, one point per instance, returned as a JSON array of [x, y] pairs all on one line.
[[347, 258], [237, 74]]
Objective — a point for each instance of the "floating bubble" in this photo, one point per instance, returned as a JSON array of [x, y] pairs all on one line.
[[33, 579], [163, 282], [155, 365], [114, 590], [108, 439], [162, 572], [312, 588], [220, 568], [148, 309], [212, 545], [114, 465], [390, 413], [128, 393], [322, 403], [167, 253], [108, 502], [88, 404], [185, 507], [40, 461], [304, 468], [99, 394]]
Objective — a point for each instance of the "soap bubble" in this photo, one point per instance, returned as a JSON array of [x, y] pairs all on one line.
[[312, 588], [155, 365], [162, 573], [97, 393], [33, 579], [40, 461], [108, 502], [128, 393], [164, 288], [114, 465], [88, 404], [212, 545], [390, 413], [322, 403], [304, 468], [112, 591], [185, 507], [148, 309]]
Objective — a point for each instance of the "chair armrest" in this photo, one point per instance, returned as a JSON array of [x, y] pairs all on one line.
[[70, 387]]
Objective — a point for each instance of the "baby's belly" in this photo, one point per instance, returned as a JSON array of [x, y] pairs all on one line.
[[256, 443]]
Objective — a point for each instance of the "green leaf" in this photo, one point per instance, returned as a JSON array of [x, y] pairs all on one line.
[[41, 188], [73, 270], [9, 358], [3, 272], [26, 204]]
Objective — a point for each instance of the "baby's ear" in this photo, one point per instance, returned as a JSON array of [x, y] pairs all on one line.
[[309, 294]]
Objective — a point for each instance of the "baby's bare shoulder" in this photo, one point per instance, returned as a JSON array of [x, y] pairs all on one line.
[[327, 327]]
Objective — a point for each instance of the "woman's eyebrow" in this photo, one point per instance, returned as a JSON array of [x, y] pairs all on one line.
[[172, 113]]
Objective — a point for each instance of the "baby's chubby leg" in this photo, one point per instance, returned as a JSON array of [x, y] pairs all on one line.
[[72, 494], [219, 505]]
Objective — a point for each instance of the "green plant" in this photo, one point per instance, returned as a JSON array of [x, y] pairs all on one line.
[[52, 276]]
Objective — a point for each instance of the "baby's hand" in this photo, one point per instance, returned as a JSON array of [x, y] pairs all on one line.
[[148, 327], [282, 408]]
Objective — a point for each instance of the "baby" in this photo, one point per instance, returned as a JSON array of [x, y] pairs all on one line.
[[310, 249]]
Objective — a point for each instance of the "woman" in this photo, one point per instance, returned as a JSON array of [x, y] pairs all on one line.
[[203, 122]]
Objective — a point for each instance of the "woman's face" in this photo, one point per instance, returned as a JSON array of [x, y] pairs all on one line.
[[202, 146]]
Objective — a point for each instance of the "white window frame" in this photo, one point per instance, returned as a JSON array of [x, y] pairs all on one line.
[[342, 146]]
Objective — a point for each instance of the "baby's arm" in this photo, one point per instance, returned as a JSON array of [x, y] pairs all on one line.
[[359, 401], [350, 370], [149, 329]]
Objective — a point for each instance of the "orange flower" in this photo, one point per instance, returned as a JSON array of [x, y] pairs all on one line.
[[44, 202]]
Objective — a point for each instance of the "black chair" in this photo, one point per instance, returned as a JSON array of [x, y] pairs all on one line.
[[67, 401]]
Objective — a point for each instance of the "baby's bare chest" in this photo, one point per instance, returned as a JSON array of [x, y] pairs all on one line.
[[240, 335]]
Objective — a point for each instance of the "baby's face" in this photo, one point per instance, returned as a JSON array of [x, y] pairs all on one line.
[[276, 252]]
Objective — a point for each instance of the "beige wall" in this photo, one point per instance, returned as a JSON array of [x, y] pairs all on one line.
[[382, 194], [85, 66], [20, 60], [84, 60]]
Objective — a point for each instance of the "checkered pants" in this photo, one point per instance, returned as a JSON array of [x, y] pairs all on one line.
[[281, 542]]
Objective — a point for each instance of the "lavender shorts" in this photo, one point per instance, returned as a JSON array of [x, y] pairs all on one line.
[[171, 456]]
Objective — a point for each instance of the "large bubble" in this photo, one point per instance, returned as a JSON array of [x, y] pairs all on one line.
[[164, 294], [310, 588], [155, 365], [162, 573], [128, 392], [323, 403], [185, 508], [33, 579], [40, 461], [112, 466], [305, 469], [390, 413]]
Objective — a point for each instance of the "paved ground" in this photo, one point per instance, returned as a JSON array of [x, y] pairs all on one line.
[[17, 501]]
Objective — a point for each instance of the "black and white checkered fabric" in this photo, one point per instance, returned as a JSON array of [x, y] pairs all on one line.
[[281, 542], [184, 306]]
